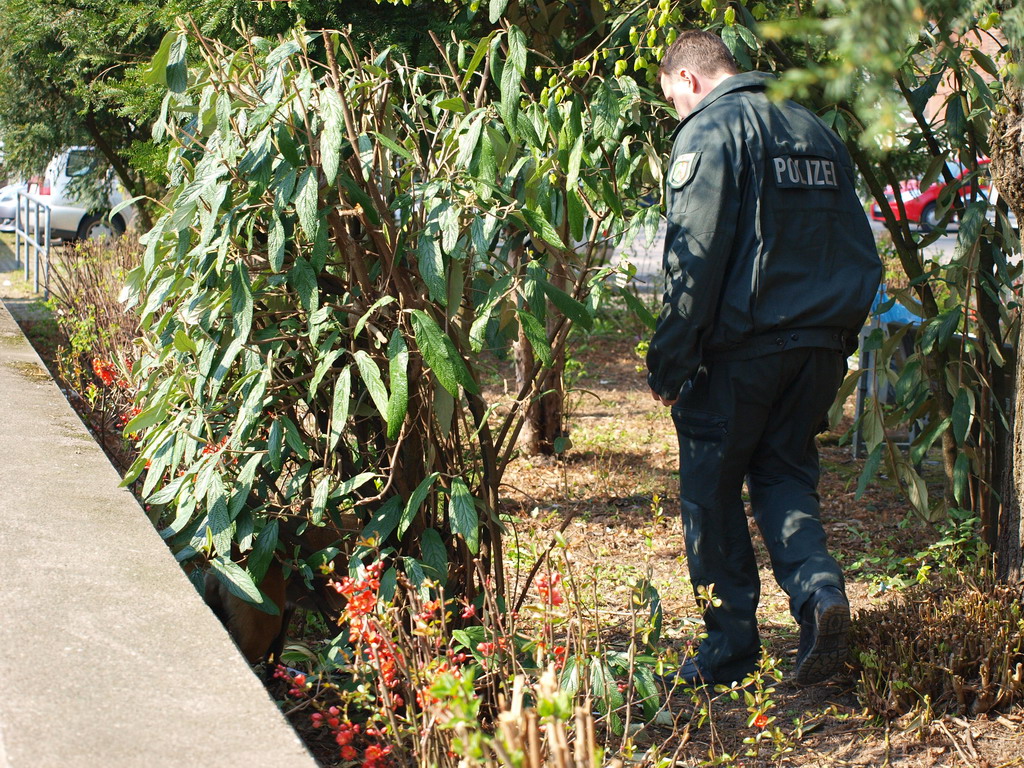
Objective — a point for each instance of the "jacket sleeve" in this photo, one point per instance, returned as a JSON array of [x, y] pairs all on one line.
[[703, 214]]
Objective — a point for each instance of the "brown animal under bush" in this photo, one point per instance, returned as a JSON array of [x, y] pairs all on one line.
[[259, 635], [956, 646]]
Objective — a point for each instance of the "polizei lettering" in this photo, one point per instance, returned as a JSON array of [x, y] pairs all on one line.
[[800, 172]]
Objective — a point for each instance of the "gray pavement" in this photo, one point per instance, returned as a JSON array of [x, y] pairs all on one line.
[[110, 658]]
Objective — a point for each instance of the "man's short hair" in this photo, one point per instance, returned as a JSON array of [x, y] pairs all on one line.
[[700, 51]]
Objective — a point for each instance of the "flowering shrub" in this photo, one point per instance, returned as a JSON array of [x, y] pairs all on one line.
[[94, 358], [416, 677], [334, 263]]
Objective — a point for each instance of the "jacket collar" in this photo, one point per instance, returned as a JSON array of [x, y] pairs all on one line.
[[747, 81]]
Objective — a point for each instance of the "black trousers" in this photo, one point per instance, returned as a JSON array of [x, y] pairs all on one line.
[[755, 420]]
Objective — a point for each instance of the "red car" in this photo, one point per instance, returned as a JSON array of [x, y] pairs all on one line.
[[921, 205]]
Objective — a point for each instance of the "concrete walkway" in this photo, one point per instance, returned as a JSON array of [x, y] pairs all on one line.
[[108, 656]]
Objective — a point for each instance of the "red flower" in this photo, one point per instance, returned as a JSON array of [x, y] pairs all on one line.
[[375, 756], [548, 588], [214, 447], [761, 721], [486, 649], [104, 371], [349, 753], [344, 738], [469, 612]]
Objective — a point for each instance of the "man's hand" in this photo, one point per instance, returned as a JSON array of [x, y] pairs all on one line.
[[662, 400]]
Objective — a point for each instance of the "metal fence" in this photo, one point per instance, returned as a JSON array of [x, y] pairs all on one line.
[[32, 234]]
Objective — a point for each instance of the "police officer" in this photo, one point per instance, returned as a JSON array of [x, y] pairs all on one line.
[[771, 268]]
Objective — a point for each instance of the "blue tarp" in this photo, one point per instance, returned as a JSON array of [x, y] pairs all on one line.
[[895, 314]]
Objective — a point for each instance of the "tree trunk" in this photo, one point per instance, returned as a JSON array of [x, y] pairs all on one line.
[[1007, 139], [1009, 549], [543, 422]]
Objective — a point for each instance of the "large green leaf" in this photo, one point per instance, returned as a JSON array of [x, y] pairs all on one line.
[[262, 551], [384, 520], [870, 469], [494, 295], [176, 73], [469, 138], [572, 174], [431, 264], [395, 147], [643, 681], [495, 9], [156, 72], [219, 520], [303, 280], [541, 227], [963, 415], [275, 244], [536, 335], [241, 301], [607, 697], [639, 309], [416, 576], [306, 202], [568, 306], [332, 113], [956, 119], [508, 107], [370, 374], [324, 364], [241, 585], [340, 406], [605, 112], [448, 221], [398, 402], [415, 501], [275, 443], [517, 49], [440, 355], [320, 494], [577, 214], [243, 485], [435, 556], [462, 515]]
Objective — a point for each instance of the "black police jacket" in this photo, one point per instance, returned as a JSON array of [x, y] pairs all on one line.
[[767, 246]]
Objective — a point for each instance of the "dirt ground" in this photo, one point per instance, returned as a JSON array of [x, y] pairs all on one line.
[[619, 486]]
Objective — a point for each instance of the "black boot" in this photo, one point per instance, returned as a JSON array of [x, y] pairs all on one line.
[[824, 630]]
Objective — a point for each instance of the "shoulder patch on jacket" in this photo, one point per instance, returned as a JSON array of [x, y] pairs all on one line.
[[682, 169]]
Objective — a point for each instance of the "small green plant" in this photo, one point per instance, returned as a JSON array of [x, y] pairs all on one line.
[[958, 546]]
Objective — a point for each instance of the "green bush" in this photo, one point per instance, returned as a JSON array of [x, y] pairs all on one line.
[[345, 239]]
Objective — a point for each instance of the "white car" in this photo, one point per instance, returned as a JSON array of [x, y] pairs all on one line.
[[68, 219], [9, 204]]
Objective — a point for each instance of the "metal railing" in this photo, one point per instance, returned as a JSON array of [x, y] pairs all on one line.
[[32, 232]]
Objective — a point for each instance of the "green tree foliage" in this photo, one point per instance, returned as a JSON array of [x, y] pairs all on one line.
[[72, 72]]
